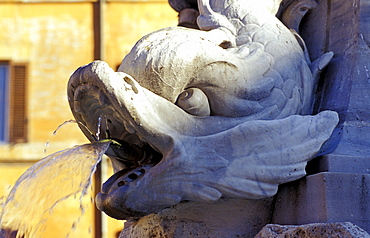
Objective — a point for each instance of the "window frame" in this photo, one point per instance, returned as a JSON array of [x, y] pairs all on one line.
[[4, 100], [15, 123]]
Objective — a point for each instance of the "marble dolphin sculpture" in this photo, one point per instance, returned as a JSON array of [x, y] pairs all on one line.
[[202, 114]]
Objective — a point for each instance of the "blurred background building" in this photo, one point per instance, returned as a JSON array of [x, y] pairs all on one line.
[[42, 42]]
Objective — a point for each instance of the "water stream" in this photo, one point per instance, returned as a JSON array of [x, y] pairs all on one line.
[[49, 181]]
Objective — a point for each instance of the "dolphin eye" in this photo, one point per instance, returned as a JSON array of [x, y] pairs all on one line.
[[194, 101]]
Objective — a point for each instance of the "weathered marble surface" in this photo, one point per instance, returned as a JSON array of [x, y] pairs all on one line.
[[202, 114], [222, 219], [322, 230]]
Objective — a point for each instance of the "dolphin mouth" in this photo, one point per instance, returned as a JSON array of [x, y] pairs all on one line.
[[128, 156], [102, 116], [130, 163], [100, 121]]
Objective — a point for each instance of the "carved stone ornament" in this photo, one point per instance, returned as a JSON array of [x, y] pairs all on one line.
[[200, 114], [337, 229]]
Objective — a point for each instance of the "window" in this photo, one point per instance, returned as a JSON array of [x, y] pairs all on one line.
[[13, 107]]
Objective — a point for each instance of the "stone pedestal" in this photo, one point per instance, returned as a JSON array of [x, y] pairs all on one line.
[[223, 219], [325, 197]]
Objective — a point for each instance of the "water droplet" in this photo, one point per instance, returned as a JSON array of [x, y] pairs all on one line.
[[98, 129], [46, 145]]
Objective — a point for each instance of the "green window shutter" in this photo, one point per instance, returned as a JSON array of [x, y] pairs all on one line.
[[18, 103]]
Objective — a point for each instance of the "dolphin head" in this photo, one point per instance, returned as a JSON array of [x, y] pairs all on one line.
[[197, 115]]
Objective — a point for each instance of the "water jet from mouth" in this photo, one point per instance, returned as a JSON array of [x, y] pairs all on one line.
[[51, 180]]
